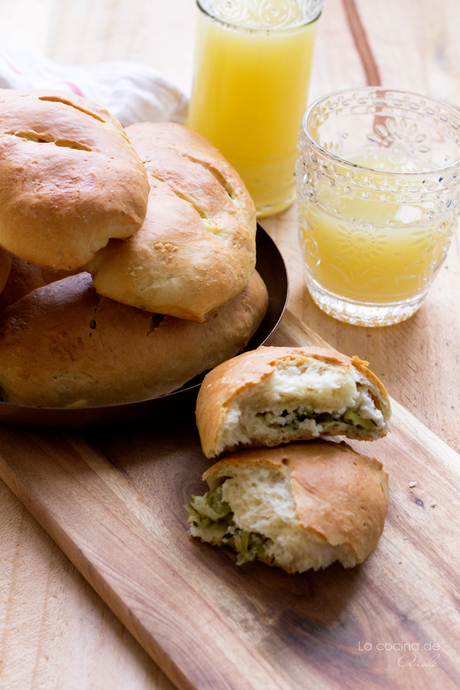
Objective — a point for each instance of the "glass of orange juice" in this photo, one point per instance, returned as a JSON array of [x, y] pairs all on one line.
[[250, 88], [378, 180]]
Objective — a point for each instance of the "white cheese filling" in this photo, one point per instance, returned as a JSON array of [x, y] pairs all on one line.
[[313, 397]]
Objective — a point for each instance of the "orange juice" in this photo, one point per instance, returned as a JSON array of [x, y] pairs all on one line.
[[369, 251], [249, 94]]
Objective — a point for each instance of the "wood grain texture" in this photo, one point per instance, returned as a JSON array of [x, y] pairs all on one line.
[[114, 502], [362, 44], [39, 639], [79, 643]]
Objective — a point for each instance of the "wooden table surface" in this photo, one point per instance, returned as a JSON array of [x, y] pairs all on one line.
[[55, 632]]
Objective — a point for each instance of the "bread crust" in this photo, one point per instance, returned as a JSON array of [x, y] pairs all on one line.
[[5, 268], [70, 178], [247, 371], [339, 494], [196, 248], [25, 277], [63, 345]]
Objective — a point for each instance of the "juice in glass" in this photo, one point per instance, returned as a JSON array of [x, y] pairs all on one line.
[[369, 251], [249, 93], [378, 179]]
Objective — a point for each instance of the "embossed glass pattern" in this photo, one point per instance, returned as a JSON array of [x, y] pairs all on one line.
[[378, 178], [263, 14]]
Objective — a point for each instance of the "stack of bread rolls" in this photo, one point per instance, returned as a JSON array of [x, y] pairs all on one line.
[[291, 500], [127, 257]]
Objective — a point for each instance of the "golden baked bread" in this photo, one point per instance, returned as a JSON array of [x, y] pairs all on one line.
[[25, 277], [300, 506], [196, 249], [274, 395], [70, 178], [63, 345]]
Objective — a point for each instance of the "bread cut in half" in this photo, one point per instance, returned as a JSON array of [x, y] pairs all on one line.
[[70, 178], [196, 249], [63, 345], [275, 395], [300, 506]]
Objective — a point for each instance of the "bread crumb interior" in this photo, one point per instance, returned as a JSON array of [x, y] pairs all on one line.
[[262, 503], [300, 396]]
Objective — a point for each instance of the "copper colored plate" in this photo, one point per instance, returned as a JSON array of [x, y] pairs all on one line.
[[271, 267]]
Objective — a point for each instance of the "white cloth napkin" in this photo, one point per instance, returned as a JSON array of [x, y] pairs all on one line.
[[131, 91]]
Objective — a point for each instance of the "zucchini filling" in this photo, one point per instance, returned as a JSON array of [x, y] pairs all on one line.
[[214, 522], [292, 420]]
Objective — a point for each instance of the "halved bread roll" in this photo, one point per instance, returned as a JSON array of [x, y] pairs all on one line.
[[63, 345], [196, 249], [274, 395], [300, 506], [70, 178]]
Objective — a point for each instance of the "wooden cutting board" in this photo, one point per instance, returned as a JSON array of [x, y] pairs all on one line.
[[113, 501]]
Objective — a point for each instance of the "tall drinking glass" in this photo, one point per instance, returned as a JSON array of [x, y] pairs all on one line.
[[250, 88]]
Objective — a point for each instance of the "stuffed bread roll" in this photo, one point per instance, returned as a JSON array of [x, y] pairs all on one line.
[[274, 395], [63, 345], [300, 506], [196, 249]]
